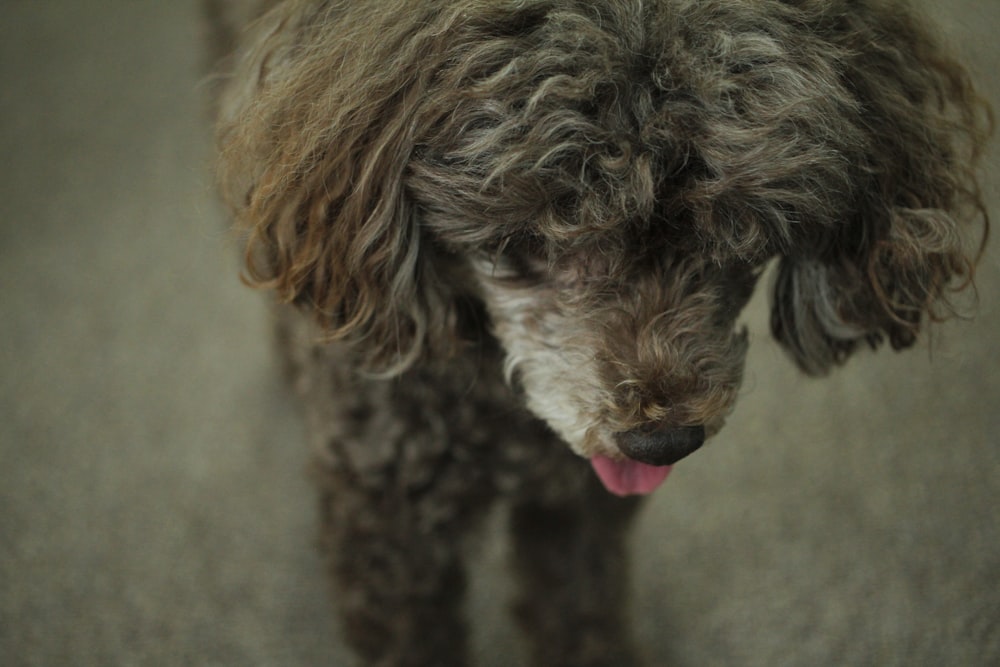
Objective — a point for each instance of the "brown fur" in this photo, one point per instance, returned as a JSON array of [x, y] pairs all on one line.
[[580, 196]]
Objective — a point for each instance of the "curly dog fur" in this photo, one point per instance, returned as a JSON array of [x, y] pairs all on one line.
[[508, 226]]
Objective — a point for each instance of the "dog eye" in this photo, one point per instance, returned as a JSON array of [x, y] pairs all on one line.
[[527, 246], [522, 254]]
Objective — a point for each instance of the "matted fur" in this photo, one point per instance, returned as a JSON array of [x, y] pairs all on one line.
[[564, 205]]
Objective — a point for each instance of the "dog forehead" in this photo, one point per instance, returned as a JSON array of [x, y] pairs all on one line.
[[728, 124]]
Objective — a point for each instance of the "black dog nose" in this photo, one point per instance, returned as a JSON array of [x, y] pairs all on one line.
[[660, 446]]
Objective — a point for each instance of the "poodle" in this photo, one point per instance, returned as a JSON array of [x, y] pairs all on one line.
[[510, 240]]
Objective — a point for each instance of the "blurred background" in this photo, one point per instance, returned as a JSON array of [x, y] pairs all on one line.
[[154, 507]]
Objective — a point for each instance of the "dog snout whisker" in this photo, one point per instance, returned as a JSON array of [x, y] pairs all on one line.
[[660, 446]]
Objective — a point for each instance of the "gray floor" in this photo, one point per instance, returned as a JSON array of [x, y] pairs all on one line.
[[153, 507]]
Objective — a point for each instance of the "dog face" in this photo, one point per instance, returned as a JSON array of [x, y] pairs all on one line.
[[640, 357], [609, 180]]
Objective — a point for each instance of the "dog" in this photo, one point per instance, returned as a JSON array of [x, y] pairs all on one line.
[[512, 238]]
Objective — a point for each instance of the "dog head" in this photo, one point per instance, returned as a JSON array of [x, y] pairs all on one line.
[[609, 180]]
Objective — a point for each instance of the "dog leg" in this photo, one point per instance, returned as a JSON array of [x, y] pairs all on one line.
[[572, 565], [397, 571]]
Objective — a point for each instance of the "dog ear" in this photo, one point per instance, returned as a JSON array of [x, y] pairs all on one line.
[[908, 239], [314, 142]]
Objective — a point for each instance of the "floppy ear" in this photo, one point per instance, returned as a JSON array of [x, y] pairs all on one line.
[[915, 224], [315, 139]]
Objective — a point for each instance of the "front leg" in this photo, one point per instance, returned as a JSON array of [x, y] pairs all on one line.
[[573, 569], [398, 577], [402, 479]]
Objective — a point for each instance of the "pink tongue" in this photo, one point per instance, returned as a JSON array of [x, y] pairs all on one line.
[[624, 478]]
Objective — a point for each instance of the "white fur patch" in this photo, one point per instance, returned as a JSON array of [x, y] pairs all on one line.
[[549, 354]]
